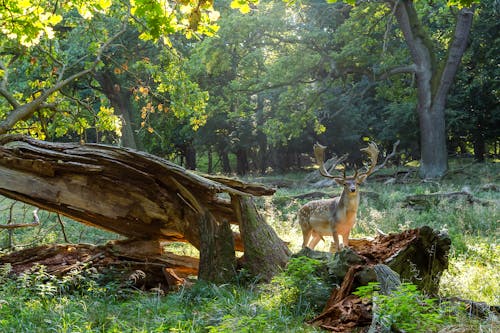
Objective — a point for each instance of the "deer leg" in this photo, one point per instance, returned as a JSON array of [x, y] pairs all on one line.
[[335, 244], [316, 238], [345, 239], [306, 235]]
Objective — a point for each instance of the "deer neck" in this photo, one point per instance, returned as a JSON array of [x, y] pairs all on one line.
[[349, 201]]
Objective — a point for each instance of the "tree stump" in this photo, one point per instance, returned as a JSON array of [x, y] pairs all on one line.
[[418, 256]]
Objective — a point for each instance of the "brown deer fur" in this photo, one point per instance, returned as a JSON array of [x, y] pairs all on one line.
[[334, 217]]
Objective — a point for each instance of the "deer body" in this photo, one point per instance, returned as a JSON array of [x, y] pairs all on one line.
[[329, 217], [334, 217]]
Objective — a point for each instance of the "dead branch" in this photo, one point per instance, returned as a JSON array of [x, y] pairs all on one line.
[[431, 199], [35, 223], [388, 157]]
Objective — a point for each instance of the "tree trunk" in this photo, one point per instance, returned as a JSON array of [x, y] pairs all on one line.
[[262, 154], [265, 253], [120, 101], [241, 161], [433, 152], [217, 256], [190, 154], [166, 271], [210, 168], [479, 146], [226, 165], [418, 256], [433, 80], [138, 195]]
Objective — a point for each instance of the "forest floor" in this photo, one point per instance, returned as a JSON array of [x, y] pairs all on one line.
[[464, 204]]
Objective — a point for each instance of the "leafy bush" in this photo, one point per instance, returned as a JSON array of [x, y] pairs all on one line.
[[408, 310], [304, 285]]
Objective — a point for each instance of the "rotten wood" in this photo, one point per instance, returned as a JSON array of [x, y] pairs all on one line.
[[418, 256], [118, 189], [167, 271]]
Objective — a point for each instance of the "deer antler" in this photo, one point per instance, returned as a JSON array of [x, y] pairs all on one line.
[[372, 151], [319, 153]]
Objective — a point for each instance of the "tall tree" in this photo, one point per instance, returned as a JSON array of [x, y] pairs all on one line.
[[434, 78], [434, 66]]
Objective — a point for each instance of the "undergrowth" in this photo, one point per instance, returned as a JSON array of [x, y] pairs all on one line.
[[38, 302], [85, 301]]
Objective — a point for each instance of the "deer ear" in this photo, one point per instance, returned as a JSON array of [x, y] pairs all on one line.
[[339, 181]]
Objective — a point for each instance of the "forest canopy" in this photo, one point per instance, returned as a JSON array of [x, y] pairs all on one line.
[[249, 86]]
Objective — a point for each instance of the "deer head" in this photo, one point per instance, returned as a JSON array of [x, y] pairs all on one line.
[[349, 183]]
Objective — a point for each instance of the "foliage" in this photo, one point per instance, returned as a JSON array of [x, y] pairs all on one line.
[[278, 78], [27, 21], [408, 309], [304, 286], [474, 111], [88, 302], [95, 308]]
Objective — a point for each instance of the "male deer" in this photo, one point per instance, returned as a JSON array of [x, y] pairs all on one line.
[[334, 217]]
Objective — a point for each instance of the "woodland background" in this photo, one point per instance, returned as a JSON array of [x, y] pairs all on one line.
[[245, 88]]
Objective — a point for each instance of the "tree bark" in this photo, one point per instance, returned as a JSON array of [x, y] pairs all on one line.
[[241, 161], [120, 101], [217, 256], [433, 82], [210, 168], [265, 253], [190, 154], [479, 146], [226, 165]]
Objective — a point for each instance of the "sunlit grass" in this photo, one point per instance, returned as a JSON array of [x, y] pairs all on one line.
[[473, 228], [277, 307]]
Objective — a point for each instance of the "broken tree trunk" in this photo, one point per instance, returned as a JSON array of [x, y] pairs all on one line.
[[131, 193], [217, 250], [418, 256], [265, 252]]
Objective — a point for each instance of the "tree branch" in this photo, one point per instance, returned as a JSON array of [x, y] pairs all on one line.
[[25, 111], [388, 157], [399, 70], [455, 53], [35, 223]]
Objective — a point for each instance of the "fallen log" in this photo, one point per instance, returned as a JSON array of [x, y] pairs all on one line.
[[425, 201], [166, 271], [138, 195], [418, 256]]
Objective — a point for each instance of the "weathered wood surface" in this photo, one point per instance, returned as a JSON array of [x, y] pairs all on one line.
[[132, 193], [166, 271], [265, 253]]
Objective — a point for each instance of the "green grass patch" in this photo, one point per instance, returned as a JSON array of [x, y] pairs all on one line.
[[88, 302]]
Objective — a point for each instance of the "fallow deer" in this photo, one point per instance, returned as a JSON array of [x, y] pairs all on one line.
[[334, 217]]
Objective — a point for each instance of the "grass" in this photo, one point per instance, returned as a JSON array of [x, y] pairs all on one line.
[[41, 304]]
